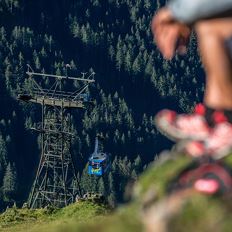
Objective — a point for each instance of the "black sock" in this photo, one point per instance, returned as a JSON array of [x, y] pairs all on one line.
[[228, 114], [208, 115], [212, 116]]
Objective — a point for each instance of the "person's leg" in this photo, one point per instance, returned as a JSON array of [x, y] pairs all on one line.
[[212, 36], [216, 57]]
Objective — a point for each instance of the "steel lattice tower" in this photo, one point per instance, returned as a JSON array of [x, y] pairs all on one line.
[[56, 182]]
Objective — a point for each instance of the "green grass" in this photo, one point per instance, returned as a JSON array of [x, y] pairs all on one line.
[[198, 213], [14, 219], [203, 213], [159, 175]]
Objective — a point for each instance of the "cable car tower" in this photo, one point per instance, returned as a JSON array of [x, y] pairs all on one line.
[[56, 182]]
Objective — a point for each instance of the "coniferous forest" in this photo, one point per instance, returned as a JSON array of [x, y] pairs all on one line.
[[133, 82]]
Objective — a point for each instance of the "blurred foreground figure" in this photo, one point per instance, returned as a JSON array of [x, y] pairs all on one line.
[[209, 128]]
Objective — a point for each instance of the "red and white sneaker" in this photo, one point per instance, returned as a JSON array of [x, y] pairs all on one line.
[[217, 145], [183, 126]]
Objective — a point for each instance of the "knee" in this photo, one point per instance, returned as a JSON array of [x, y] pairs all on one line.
[[205, 27], [217, 27]]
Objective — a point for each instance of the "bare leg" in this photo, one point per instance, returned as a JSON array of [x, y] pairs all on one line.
[[212, 35]]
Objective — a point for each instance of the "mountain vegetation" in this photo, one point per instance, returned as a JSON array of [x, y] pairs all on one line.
[[133, 82]]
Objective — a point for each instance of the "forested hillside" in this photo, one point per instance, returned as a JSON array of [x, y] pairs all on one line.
[[133, 82]]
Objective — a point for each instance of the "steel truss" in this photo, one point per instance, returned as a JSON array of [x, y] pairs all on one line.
[[56, 182]]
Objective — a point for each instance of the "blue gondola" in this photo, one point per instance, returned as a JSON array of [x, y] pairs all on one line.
[[99, 162]]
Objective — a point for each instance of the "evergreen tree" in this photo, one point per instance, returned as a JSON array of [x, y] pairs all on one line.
[[3, 153], [10, 183], [118, 43]]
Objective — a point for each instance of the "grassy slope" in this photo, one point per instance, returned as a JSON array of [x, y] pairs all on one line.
[[199, 213], [43, 219]]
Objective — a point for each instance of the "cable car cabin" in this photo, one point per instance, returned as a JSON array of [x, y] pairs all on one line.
[[98, 165], [99, 162]]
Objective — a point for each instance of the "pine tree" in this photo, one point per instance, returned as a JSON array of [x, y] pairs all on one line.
[[10, 184], [101, 186], [119, 54], [111, 190], [138, 164], [3, 153], [138, 64], [111, 52]]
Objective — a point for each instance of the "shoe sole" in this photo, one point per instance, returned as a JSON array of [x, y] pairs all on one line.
[[222, 153], [173, 134], [181, 139], [181, 145]]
